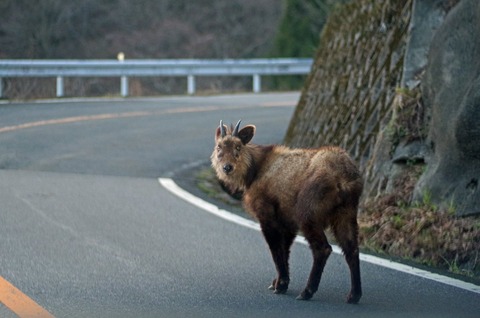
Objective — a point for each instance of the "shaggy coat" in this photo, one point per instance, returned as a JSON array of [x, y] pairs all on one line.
[[288, 190]]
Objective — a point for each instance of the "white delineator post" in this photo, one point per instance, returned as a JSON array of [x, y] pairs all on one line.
[[59, 86], [123, 79], [257, 84], [190, 84]]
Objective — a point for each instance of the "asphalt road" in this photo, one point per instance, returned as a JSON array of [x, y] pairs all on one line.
[[86, 230]]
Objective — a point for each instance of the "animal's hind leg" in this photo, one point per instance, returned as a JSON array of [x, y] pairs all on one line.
[[346, 232], [279, 240], [321, 250]]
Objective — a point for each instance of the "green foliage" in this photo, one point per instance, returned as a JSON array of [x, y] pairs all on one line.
[[299, 33], [427, 199]]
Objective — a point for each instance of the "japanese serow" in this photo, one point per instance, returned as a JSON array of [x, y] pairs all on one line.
[[288, 190]]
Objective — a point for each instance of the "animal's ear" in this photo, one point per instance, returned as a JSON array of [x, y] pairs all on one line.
[[217, 133], [246, 134]]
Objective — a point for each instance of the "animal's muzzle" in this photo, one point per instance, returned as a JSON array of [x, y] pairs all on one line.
[[227, 168]]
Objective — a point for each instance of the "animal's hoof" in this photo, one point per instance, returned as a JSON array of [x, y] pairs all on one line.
[[305, 295], [272, 286], [280, 291], [353, 298], [279, 286]]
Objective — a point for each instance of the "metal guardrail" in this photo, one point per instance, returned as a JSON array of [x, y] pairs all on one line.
[[190, 68]]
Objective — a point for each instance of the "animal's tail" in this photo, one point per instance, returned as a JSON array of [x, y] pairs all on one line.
[[350, 191]]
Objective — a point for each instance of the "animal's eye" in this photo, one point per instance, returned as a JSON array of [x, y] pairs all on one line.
[[238, 148]]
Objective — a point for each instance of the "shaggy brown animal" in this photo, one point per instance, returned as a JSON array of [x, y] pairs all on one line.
[[288, 190]]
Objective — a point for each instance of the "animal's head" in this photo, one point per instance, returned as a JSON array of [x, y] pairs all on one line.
[[231, 157]]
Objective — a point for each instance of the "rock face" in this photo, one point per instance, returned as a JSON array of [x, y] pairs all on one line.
[[427, 16], [451, 94]]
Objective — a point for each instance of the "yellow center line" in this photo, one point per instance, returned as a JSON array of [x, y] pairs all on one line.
[[286, 103], [19, 303], [75, 119], [72, 120]]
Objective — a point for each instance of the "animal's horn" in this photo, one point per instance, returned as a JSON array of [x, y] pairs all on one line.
[[235, 131], [222, 129]]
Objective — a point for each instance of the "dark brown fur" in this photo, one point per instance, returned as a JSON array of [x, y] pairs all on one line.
[[288, 190]]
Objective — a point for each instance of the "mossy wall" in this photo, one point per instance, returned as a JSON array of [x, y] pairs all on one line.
[[349, 93]]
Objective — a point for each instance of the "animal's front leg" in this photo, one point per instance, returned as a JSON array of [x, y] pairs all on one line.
[[279, 241]]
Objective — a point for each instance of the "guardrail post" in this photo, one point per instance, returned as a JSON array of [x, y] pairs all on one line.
[[59, 86], [124, 86], [257, 84], [191, 84]]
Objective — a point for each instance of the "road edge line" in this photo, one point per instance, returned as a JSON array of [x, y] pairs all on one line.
[[19, 303], [172, 187]]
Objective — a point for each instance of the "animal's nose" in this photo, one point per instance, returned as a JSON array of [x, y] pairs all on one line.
[[227, 168]]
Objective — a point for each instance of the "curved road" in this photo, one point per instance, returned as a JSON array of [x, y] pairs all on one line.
[[86, 230]]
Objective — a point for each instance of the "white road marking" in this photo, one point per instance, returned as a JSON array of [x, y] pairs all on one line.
[[171, 186]]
